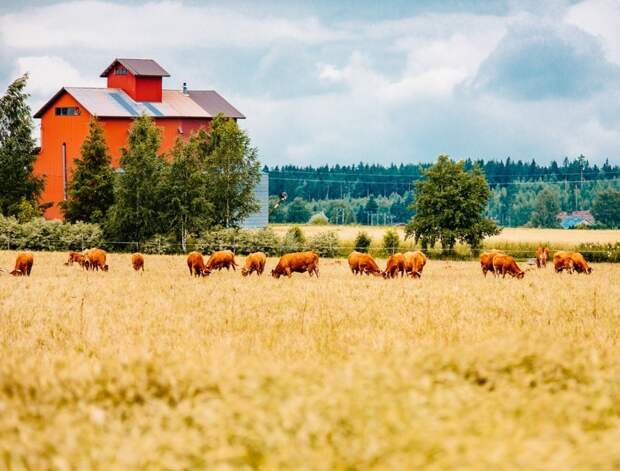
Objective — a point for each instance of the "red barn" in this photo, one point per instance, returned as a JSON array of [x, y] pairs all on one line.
[[134, 88]]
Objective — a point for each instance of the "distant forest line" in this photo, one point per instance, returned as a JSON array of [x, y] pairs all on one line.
[[373, 193]]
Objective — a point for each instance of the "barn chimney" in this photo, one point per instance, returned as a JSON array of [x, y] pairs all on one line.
[[185, 92]]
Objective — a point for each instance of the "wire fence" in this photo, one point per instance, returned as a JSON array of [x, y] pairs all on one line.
[[326, 247]]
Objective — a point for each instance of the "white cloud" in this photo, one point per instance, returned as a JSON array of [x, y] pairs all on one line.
[[600, 18], [47, 74], [168, 24]]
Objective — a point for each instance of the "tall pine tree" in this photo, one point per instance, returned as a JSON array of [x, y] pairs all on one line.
[[91, 191], [17, 151], [234, 171], [135, 214]]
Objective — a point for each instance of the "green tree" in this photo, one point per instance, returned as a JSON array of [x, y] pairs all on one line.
[[186, 208], [449, 206], [298, 211], [17, 151], [546, 209], [135, 215], [606, 207], [91, 190], [233, 170]]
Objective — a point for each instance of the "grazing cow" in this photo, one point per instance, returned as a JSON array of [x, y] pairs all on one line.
[[414, 263], [486, 261], [196, 264], [255, 262], [23, 264], [361, 263], [579, 263], [75, 257], [562, 261], [222, 259], [96, 260], [542, 255], [503, 264], [395, 265], [137, 261], [298, 262]]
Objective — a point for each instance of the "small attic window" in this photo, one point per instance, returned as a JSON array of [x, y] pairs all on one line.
[[67, 111], [120, 70]]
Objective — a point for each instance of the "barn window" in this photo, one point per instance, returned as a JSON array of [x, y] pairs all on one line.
[[67, 111], [120, 70]]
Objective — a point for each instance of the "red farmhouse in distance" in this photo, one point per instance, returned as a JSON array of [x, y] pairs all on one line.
[[134, 88]]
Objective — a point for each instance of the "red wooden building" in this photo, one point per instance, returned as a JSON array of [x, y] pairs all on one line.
[[134, 87]]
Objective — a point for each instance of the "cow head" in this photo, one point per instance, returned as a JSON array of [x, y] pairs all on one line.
[[520, 275], [16, 273], [244, 271], [275, 273], [205, 271], [105, 268]]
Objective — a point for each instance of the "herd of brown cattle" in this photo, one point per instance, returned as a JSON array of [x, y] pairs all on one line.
[[408, 263]]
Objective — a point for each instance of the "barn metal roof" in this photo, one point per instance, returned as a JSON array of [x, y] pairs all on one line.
[[214, 103], [115, 103], [138, 67]]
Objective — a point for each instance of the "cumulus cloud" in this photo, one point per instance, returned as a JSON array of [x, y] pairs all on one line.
[[546, 61], [343, 83]]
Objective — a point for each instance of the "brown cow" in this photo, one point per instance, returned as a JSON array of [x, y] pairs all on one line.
[[414, 263], [23, 264], [222, 259], [75, 257], [395, 265], [579, 263], [255, 262], [503, 264], [196, 264], [486, 261], [542, 255], [562, 261], [137, 261], [298, 262], [96, 260], [363, 263]]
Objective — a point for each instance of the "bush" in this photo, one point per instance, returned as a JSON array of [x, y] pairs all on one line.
[[319, 219], [326, 244], [240, 241], [391, 242], [41, 234], [600, 252], [362, 242], [294, 241]]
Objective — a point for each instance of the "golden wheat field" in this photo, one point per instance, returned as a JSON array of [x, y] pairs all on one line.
[[519, 235], [160, 370]]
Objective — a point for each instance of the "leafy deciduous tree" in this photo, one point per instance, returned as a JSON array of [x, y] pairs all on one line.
[[450, 203], [17, 151], [546, 209], [606, 208]]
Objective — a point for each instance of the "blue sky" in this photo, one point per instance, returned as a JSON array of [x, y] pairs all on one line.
[[350, 81]]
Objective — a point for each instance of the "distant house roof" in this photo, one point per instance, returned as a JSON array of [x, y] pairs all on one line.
[[570, 220], [138, 67], [115, 103]]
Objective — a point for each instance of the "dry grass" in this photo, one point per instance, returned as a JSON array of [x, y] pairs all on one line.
[[519, 235], [120, 370]]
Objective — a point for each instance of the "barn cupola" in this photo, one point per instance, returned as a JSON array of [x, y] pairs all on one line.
[[141, 79]]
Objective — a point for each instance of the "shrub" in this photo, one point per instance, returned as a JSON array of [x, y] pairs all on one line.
[[391, 242], [326, 244], [240, 241], [600, 252], [362, 242], [319, 219], [41, 234], [294, 240]]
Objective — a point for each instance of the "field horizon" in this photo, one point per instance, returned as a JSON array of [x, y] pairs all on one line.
[[161, 370]]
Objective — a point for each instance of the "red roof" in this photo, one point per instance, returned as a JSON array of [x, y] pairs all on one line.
[[138, 67]]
